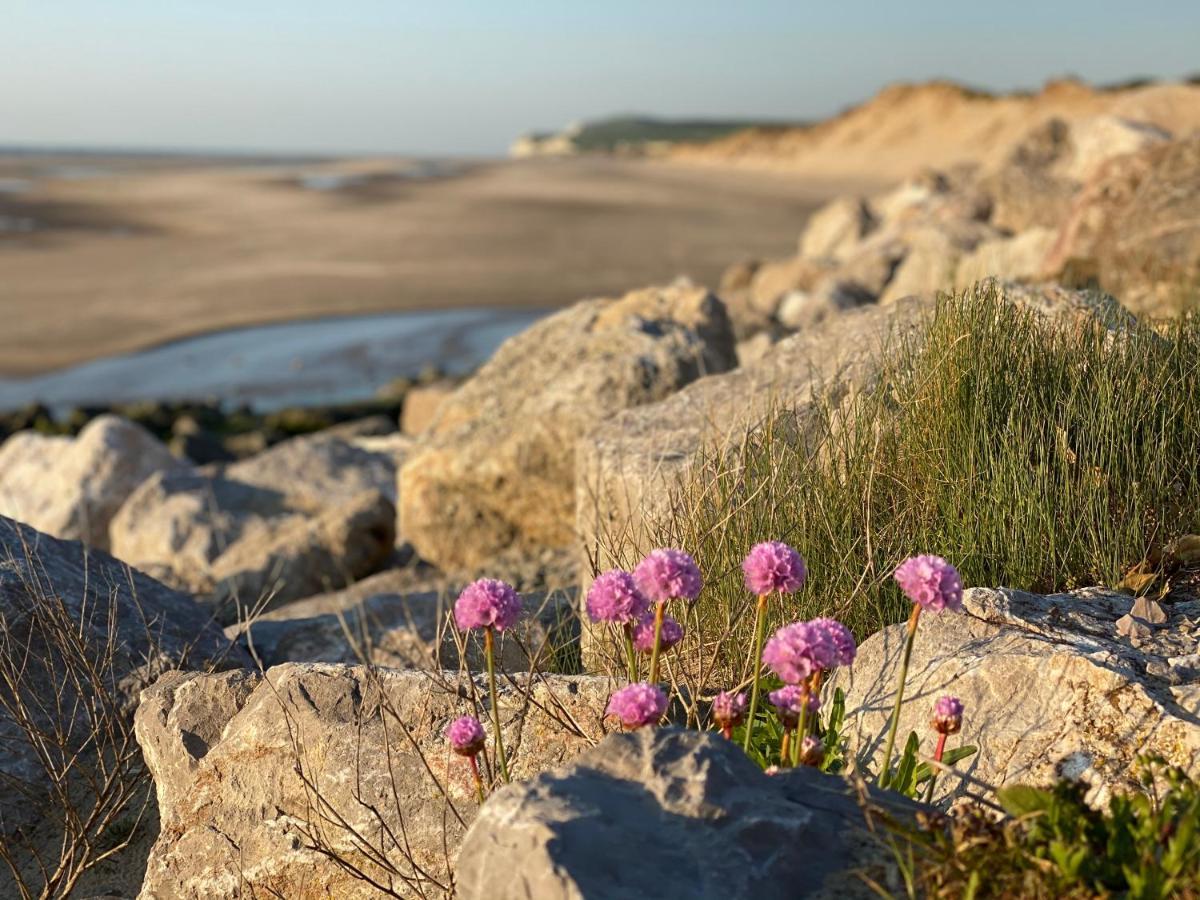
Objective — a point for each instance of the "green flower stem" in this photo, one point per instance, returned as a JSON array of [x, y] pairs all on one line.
[[489, 650], [478, 779], [659, 609], [630, 655], [760, 633], [885, 774], [937, 757], [785, 753], [801, 728]]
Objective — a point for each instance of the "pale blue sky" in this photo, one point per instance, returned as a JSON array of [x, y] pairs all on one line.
[[466, 77]]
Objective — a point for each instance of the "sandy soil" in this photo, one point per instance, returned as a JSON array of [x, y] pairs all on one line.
[[130, 256]]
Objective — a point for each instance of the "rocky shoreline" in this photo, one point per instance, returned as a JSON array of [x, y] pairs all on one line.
[[296, 741]]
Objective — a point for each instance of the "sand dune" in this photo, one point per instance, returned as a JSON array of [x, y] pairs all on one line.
[[908, 127], [132, 256]]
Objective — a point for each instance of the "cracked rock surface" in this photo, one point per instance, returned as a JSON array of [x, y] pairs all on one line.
[[1049, 684]]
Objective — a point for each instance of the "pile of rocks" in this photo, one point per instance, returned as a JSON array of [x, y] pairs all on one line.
[[1101, 199]]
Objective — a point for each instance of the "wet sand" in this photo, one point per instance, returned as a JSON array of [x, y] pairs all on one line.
[[101, 257]]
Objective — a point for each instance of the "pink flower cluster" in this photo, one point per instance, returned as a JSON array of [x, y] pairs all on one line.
[[773, 566], [667, 574], [729, 709], [931, 583], [947, 715], [643, 634], [466, 736], [615, 597], [637, 705], [487, 603], [789, 702], [797, 651]]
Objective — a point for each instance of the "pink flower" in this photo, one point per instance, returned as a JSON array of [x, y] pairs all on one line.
[[465, 736], [729, 709], [789, 703], [812, 751], [947, 715], [667, 574], [773, 566], [643, 634], [485, 603], [841, 638], [930, 582], [614, 597], [637, 705], [798, 650]]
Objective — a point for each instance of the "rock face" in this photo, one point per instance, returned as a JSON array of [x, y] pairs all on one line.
[[253, 772], [496, 470], [1136, 224], [1049, 685], [382, 621], [666, 813], [155, 629], [421, 405], [72, 487], [308, 515]]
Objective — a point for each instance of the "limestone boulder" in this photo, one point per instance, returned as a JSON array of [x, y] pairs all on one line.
[[1136, 225], [309, 515], [933, 251], [495, 471], [1051, 687], [262, 781], [72, 487], [706, 822], [774, 280], [130, 629], [835, 229], [383, 621], [1016, 258], [421, 404]]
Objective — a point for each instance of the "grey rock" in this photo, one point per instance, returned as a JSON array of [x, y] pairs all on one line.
[[836, 228], [309, 515], [72, 487], [382, 621], [666, 813], [155, 629], [249, 770], [1049, 689], [1016, 258], [495, 471]]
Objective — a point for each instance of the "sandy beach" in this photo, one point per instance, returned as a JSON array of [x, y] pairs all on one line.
[[118, 255]]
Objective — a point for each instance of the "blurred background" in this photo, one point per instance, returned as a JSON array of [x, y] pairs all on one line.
[[265, 208]]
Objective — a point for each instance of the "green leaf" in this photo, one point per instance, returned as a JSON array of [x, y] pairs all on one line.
[[1023, 800]]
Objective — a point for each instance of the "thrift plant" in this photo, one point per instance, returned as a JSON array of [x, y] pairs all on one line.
[[665, 575], [770, 567], [492, 606], [930, 583], [466, 738]]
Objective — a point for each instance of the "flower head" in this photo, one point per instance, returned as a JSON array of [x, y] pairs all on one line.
[[812, 751], [615, 597], [773, 566], [798, 650], [841, 638], [667, 574], [789, 702], [637, 704], [643, 634], [930, 582], [947, 715], [487, 603], [465, 736], [729, 709]]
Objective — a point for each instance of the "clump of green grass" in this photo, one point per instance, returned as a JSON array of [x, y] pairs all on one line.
[[1033, 453]]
